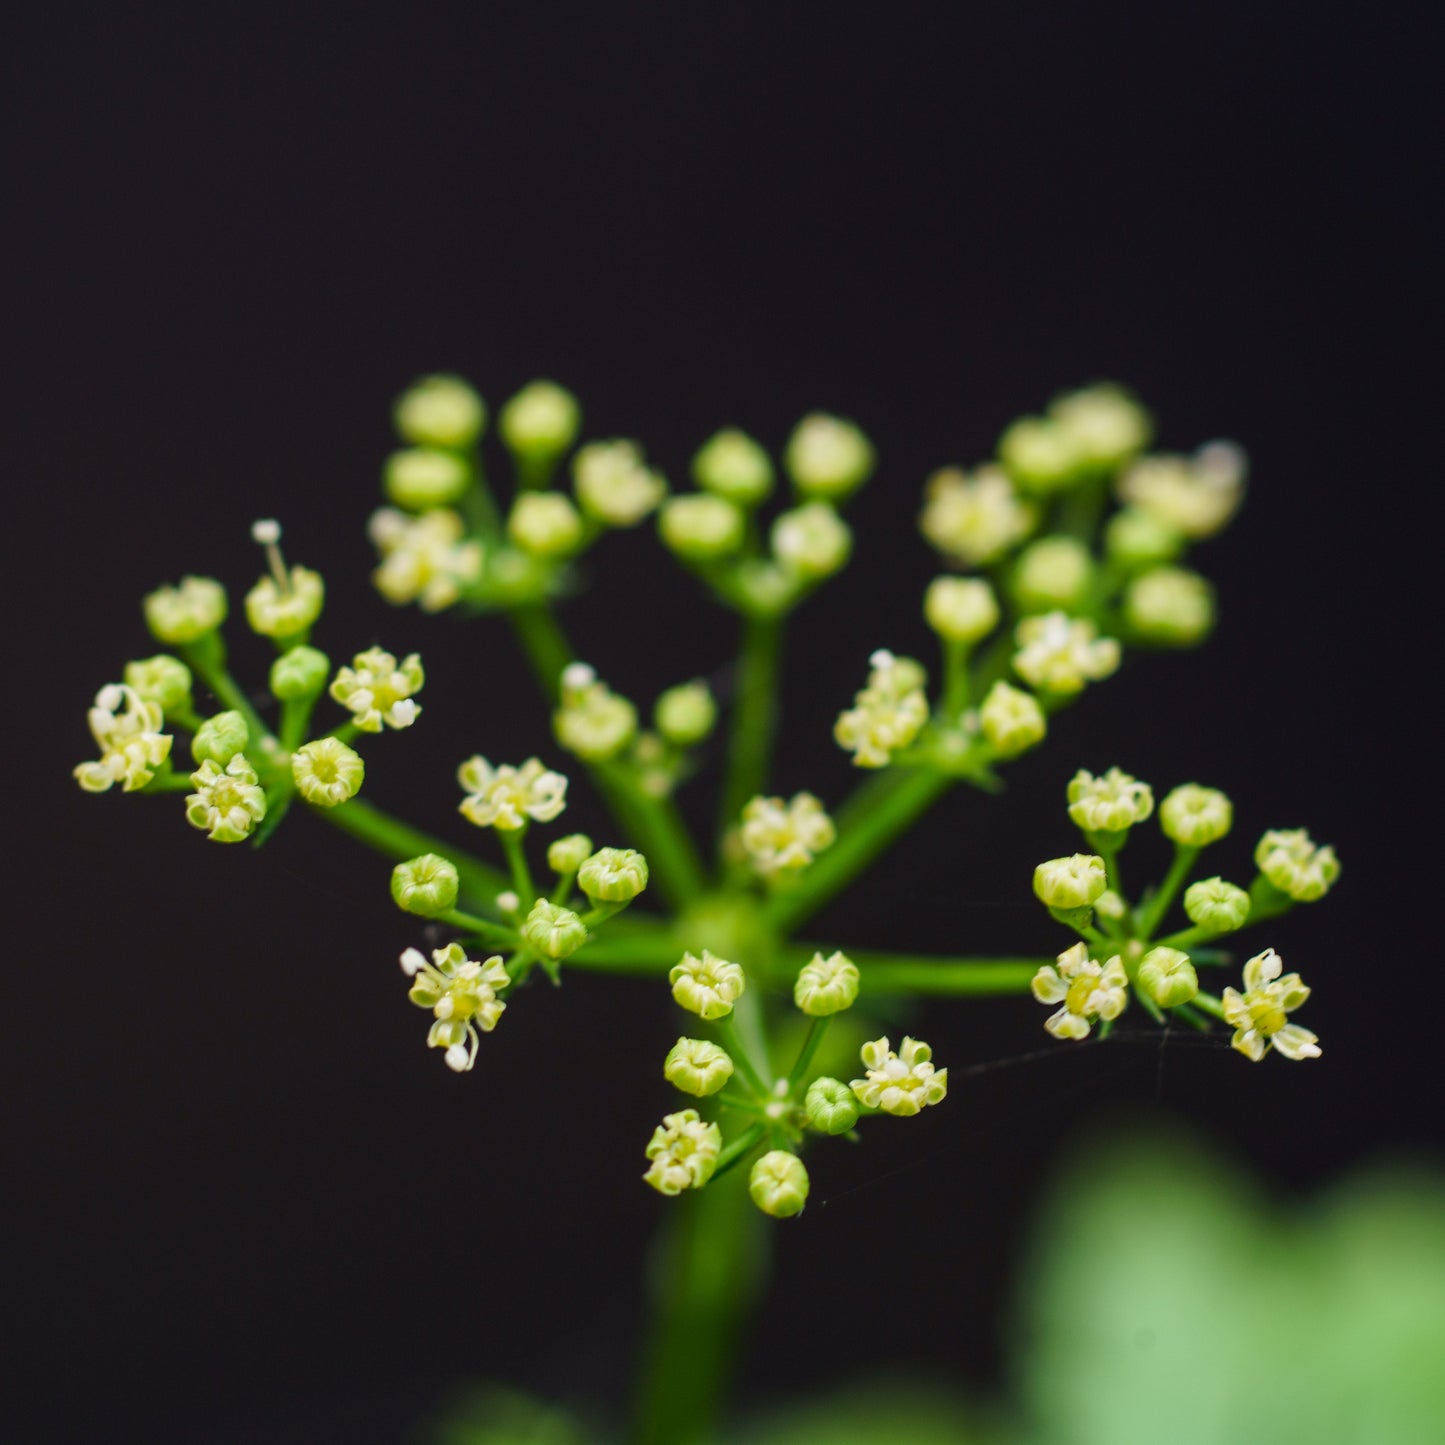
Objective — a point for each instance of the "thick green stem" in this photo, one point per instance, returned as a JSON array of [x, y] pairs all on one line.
[[706, 1276], [1152, 913], [902, 974], [867, 823], [816, 1029], [393, 839], [754, 716], [516, 851]]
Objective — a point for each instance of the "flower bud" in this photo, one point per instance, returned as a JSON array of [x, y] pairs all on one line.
[[1167, 976], [163, 680], [707, 986], [1107, 426], [1296, 865], [975, 519], [828, 458], [327, 772], [697, 1067], [421, 478], [613, 875], [553, 931], [684, 1152], [177, 615], [826, 985], [228, 801], [545, 524], [299, 673], [730, 464], [830, 1106], [440, 411], [1171, 606], [1061, 654], [593, 722], [612, 484], [541, 421], [567, 855], [1216, 905], [220, 738], [811, 541], [960, 609], [425, 885], [1040, 456], [1196, 816], [700, 527], [1012, 720], [279, 612], [1110, 803], [1074, 882], [778, 1184], [685, 715], [1135, 539], [1054, 572]]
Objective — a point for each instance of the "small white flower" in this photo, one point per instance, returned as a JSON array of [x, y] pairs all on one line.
[[1194, 495], [592, 722], [327, 772], [975, 520], [1012, 720], [276, 611], [1258, 1014], [684, 1152], [506, 797], [888, 714], [127, 728], [378, 690], [177, 615], [1296, 865], [424, 559], [1060, 653], [901, 1083], [1086, 989], [228, 802], [462, 996], [783, 837]]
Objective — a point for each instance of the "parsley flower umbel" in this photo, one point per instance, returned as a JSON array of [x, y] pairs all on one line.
[[132, 746], [1086, 990], [506, 797], [1060, 653], [462, 996], [901, 1083], [1258, 1014], [781, 838], [378, 690], [887, 714]]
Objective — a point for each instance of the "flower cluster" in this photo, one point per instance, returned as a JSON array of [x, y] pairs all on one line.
[[887, 714], [782, 838]]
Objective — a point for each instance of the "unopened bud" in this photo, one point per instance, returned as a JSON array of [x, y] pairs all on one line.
[[421, 478], [1167, 976], [730, 464], [425, 885], [440, 411], [299, 673], [220, 738], [830, 1106], [778, 1184], [686, 714], [828, 458], [700, 527]]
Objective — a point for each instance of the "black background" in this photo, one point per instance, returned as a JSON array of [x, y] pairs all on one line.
[[247, 1203]]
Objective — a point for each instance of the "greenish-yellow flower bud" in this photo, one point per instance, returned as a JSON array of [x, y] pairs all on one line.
[[826, 985], [163, 680], [553, 931], [778, 1184], [708, 986], [327, 772], [593, 722], [811, 541], [279, 612], [1074, 882], [685, 715], [1011, 720], [1171, 606], [684, 1152], [421, 478], [541, 421], [425, 885], [613, 875], [960, 609], [1054, 572], [177, 615], [1107, 426], [830, 1106], [1196, 816], [1110, 803], [220, 738], [701, 527], [1041, 456], [1136, 538], [299, 673], [1296, 865], [612, 484], [732, 465], [228, 801], [697, 1067], [1167, 976], [440, 411], [567, 855], [1216, 905], [828, 458], [546, 524]]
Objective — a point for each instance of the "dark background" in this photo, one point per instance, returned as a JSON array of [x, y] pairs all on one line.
[[247, 1203]]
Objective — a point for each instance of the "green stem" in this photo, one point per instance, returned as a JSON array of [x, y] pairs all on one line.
[[394, 839], [739, 1148], [206, 657], [816, 1029], [901, 974], [1152, 913], [1207, 1003], [754, 717], [873, 817], [728, 1031], [955, 680], [482, 927], [516, 852]]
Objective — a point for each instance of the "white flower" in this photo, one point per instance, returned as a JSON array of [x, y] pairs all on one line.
[[781, 837], [1258, 1015], [327, 772], [1011, 720], [277, 611], [424, 559], [1088, 991], [378, 690], [127, 728], [506, 797], [462, 996], [975, 520], [593, 722], [901, 1083], [228, 802], [1110, 803], [684, 1152], [1060, 653], [1194, 495], [887, 714]]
